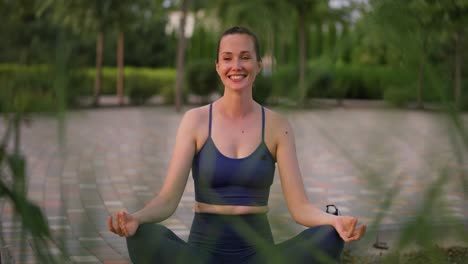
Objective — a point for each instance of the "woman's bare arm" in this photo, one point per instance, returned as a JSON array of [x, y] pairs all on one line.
[[301, 209], [165, 203]]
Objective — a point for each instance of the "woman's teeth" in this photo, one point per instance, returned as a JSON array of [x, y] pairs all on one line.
[[236, 77]]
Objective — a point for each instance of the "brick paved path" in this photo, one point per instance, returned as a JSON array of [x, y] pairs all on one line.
[[117, 158]]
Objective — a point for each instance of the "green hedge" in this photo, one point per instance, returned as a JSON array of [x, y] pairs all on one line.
[[202, 78], [346, 80], [464, 99], [26, 88], [399, 96], [32, 86], [325, 79], [139, 83], [142, 83], [262, 88], [285, 82], [36, 83]]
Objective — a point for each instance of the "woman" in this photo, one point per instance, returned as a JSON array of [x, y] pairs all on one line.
[[232, 146]]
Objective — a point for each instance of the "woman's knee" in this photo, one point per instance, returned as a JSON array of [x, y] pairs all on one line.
[[327, 239], [145, 242]]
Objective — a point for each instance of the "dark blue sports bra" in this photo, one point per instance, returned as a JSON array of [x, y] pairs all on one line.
[[223, 180]]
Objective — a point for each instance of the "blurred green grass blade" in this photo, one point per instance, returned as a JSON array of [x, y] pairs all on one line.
[[31, 215], [63, 50]]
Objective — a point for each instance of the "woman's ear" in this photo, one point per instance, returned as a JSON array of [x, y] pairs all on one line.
[[217, 66], [260, 67]]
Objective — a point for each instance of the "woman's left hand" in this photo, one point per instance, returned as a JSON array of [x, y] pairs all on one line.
[[347, 228]]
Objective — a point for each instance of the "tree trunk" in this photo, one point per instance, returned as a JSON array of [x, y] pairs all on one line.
[[331, 34], [98, 77], [458, 69], [419, 99], [302, 57], [271, 49], [120, 65], [319, 38], [180, 56], [346, 46]]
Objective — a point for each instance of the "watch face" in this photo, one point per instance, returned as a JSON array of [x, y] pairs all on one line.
[[331, 209]]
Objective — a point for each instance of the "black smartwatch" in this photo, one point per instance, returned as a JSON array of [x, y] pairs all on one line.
[[332, 209]]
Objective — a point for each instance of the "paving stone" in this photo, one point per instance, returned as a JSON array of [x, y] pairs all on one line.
[[84, 259]]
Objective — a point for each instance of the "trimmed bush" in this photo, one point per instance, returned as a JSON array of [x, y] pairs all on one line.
[[168, 94], [201, 78], [141, 84], [319, 78], [26, 88], [37, 82], [325, 79], [285, 81], [464, 99], [399, 96], [340, 80], [262, 88]]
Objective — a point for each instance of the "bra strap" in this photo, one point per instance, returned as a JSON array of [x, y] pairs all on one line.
[[263, 124], [209, 127]]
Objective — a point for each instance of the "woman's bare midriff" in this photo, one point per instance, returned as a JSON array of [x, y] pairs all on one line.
[[229, 209]]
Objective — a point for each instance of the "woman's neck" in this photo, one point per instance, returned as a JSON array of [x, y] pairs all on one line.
[[236, 105]]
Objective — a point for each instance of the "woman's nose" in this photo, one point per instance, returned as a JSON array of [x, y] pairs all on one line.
[[237, 63]]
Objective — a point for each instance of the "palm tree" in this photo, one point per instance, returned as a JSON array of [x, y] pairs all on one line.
[[101, 10], [97, 17], [303, 9], [409, 32], [125, 14], [457, 14], [84, 17], [184, 6]]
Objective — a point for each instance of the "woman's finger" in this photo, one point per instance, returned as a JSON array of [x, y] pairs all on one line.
[[109, 224], [117, 226], [343, 232], [351, 225], [114, 227], [360, 232], [123, 223]]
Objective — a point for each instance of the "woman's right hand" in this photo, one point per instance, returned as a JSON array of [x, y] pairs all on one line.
[[123, 224]]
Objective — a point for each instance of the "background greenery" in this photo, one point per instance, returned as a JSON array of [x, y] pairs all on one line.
[[380, 50]]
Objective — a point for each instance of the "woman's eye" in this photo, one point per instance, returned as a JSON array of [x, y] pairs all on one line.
[[245, 57], [227, 59]]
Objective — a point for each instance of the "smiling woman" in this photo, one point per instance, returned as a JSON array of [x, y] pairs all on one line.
[[233, 146], [237, 65]]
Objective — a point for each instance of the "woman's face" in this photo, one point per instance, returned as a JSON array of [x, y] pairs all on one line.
[[237, 65]]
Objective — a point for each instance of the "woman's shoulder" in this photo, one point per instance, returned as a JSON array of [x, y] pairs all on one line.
[[276, 125], [275, 119], [197, 112], [196, 116]]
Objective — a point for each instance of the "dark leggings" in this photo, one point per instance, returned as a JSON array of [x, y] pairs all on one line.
[[232, 239]]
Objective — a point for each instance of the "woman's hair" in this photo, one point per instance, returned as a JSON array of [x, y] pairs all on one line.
[[240, 30]]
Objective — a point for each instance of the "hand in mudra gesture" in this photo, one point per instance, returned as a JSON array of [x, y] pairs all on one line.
[[347, 228], [123, 224]]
